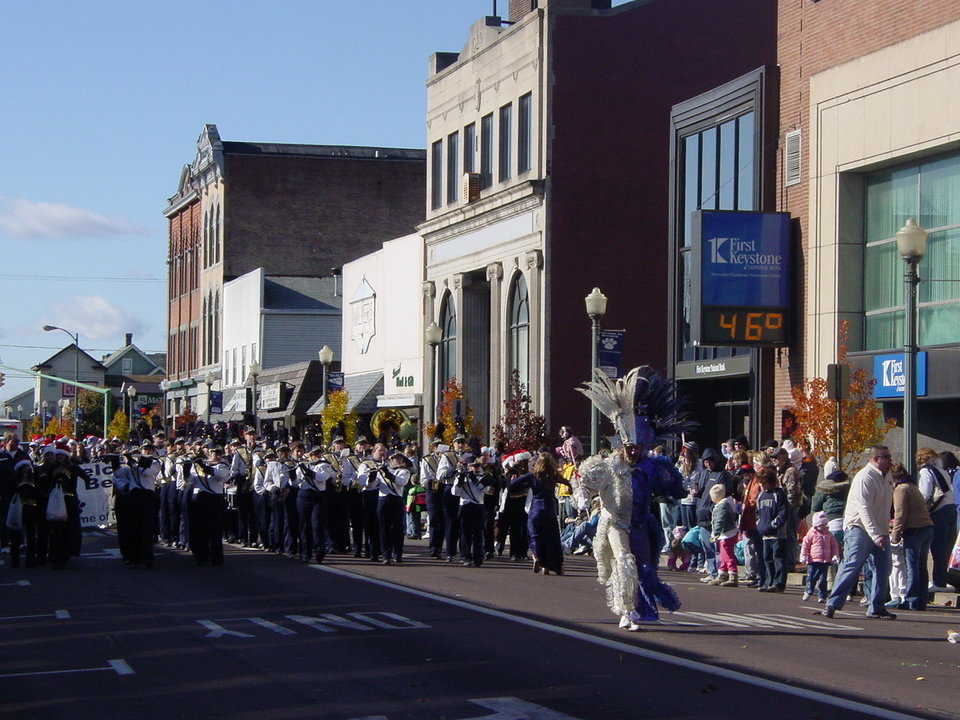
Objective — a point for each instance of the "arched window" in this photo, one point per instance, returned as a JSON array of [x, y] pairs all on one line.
[[205, 315], [518, 334], [217, 240], [448, 345], [216, 325]]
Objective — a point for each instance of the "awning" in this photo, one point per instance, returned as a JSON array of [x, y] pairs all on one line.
[[362, 391]]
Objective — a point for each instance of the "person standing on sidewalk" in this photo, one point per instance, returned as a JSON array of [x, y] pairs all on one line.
[[866, 535]]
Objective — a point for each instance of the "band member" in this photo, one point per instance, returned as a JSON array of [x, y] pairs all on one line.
[[338, 506], [468, 487], [262, 498], [167, 495], [25, 487], [366, 478], [209, 507], [436, 491], [55, 537], [389, 482], [139, 477], [291, 517], [513, 513], [350, 471], [277, 484], [242, 467], [312, 478], [446, 473]]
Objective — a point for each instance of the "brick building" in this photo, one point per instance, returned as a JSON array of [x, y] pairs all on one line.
[[293, 210], [869, 136], [552, 169]]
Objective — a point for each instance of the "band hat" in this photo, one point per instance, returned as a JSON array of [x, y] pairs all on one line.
[[398, 454], [460, 438]]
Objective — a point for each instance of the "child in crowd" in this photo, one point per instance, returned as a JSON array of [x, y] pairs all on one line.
[[819, 550], [416, 504], [724, 532], [678, 557], [772, 509]]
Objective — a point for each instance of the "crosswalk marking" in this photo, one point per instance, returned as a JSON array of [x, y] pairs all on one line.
[[759, 620]]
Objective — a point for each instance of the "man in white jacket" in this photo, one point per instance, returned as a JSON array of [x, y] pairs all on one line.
[[866, 534]]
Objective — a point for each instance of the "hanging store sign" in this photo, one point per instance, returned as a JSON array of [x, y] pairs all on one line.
[[740, 279], [891, 379]]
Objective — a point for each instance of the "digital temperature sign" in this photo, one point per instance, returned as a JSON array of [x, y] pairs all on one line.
[[740, 278]]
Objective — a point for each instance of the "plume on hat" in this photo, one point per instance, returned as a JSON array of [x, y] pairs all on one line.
[[643, 406]]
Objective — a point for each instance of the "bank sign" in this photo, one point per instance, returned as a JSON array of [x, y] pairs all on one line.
[[891, 380], [740, 278]]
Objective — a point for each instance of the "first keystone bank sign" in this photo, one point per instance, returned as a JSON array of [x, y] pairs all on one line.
[[740, 279], [891, 379]]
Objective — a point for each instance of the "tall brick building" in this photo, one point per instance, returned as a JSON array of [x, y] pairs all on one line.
[[293, 210], [562, 123], [869, 136]]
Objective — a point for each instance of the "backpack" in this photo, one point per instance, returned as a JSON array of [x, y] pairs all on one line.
[[940, 487]]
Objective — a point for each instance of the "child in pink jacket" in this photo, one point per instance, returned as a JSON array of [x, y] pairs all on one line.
[[819, 551]]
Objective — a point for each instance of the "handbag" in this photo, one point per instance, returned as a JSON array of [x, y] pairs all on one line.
[[56, 506], [15, 513]]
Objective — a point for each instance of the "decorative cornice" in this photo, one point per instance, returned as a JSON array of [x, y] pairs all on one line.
[[515, 200], [534, 260], [495, 271], [429, 289]]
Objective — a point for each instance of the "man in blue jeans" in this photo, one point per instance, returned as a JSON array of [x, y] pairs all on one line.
[[866, 536]]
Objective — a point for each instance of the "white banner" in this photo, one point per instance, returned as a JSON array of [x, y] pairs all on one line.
[[96, 496]]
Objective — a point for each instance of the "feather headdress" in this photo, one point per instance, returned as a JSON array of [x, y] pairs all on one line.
[[643, 406]]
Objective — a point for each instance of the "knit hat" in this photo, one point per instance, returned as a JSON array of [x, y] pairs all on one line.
[[820, 520]]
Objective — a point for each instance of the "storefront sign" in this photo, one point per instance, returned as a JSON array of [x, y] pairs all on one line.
[[740, 278], [363, 312], [891, 380], [271, 396], [216, 402]]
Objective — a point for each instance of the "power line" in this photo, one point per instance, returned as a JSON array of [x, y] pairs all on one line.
[[61, 278], [85, 349]]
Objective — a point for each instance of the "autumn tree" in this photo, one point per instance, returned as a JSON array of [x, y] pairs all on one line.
[[187, 416], [861, 418], [519, 428], [335, 413], [447, 418], [119, 427]]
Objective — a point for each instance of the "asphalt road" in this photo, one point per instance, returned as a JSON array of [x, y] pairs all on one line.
[[266, 637]]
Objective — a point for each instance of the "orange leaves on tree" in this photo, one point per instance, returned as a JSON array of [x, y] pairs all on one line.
[[447, 416], [861, 418]]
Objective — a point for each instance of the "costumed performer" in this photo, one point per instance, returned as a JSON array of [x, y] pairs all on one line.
[[645, 412]]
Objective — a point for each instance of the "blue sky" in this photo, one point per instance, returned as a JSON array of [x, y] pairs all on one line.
[[101, 104]]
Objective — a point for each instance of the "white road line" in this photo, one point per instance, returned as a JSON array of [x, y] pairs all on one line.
[[58, 614], [21, 583], [626, 648], [118, 666], [711, 617]]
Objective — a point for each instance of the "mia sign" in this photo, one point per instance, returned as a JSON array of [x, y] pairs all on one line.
[[740, 278]]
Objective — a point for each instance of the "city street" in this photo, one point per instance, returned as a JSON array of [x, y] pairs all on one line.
[[268, 637]]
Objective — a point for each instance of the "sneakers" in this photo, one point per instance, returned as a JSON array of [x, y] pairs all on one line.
[[718, 580], [882, 615], [828, 612], [806, 596], [624, 622], [708, 579], [937, 588], [731, 582], [821, 601]]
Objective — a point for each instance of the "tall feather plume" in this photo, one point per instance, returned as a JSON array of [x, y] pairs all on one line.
[[642, 391]]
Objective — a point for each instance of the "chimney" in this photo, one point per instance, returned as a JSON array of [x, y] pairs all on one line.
[[128, 339], [337, 272]]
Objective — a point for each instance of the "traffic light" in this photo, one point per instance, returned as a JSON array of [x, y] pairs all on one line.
[[3, 379]]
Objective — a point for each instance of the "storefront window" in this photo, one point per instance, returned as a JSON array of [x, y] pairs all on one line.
[[448, 345], [930, 192]]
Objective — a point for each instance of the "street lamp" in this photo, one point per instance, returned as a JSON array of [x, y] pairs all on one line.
[[164, 386], [43, 422], [912, 246], [7, 411], [596, 303], [433, 335], [326, 357], [208, 380], [254, 373], [76, 355], [131, 393]]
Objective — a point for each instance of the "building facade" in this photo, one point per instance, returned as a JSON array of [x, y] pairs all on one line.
[[550, 172], [293, 210], [869, 136]]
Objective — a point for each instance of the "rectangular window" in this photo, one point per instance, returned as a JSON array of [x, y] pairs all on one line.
[[243, 361], [453, 157], [469, 148], [506, 148], [718, 168], [486, 151], [436, 174], [929, 192], [524, 134], [226, 369]]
